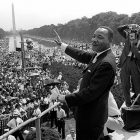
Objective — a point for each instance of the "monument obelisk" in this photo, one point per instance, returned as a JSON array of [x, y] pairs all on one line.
[[14, 27]]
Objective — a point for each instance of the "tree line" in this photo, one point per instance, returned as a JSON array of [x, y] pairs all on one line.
[[2, 33], [82, 29]]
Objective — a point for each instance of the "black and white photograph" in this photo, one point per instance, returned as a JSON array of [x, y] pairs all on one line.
[[69, 70]]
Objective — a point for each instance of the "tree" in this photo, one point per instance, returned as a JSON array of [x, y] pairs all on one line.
[[2, 33], [82, 29]]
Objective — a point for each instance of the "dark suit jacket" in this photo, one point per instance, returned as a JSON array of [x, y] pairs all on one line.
[[128, 48], [92, 98]]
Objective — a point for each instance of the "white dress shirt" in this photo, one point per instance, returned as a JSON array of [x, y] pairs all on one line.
[[113, 109], [14, 122], [37, 112], [61, 114], [99, 53]]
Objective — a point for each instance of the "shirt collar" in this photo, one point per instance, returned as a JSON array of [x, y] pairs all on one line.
[[99, 53]]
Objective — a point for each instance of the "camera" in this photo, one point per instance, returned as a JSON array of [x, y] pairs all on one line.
[[133, 33]]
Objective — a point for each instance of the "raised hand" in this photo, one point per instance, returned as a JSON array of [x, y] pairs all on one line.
[[58, 40], [61, 98]]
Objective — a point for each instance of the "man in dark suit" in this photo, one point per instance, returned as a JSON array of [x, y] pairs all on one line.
[[92, 98], [130, 61]]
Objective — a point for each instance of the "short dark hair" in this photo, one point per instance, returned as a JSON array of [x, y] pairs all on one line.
[[110, 32]]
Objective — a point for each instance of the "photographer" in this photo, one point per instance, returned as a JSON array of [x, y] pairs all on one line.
[[130, 61]]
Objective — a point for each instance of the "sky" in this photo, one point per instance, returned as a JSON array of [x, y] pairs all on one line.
[[31, 14]]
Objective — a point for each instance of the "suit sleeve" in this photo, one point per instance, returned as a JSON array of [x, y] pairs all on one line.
[[121, 30], [100, 82], [79, 55]]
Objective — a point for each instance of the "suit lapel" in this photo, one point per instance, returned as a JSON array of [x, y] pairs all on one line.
[[93, 55], [101, 56]]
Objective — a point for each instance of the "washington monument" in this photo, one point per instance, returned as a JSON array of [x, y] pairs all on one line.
[[14, 27]]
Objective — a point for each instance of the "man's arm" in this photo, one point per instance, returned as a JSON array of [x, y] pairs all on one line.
[[121, 29], [99, 82], [79, 55]]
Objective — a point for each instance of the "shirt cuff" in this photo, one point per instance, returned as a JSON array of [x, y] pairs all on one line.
[[64, 46]]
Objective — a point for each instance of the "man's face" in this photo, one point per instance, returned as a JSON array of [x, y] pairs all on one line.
[[134, 39], [72, 133], [100, 41]]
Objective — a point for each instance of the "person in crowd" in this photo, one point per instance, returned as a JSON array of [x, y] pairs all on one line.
[[72, 135], [130, 61], [1, 115], [1, 109], [19, 109], [114, 121], [13, 123], [65, 91], [59, 76], [92, 99], [53, 114], [61, 121], [46, 100], [10, 137], [37, 110], [65, 88]]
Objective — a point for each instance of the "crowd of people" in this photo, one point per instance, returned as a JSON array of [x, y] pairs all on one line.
[[25, 93]]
